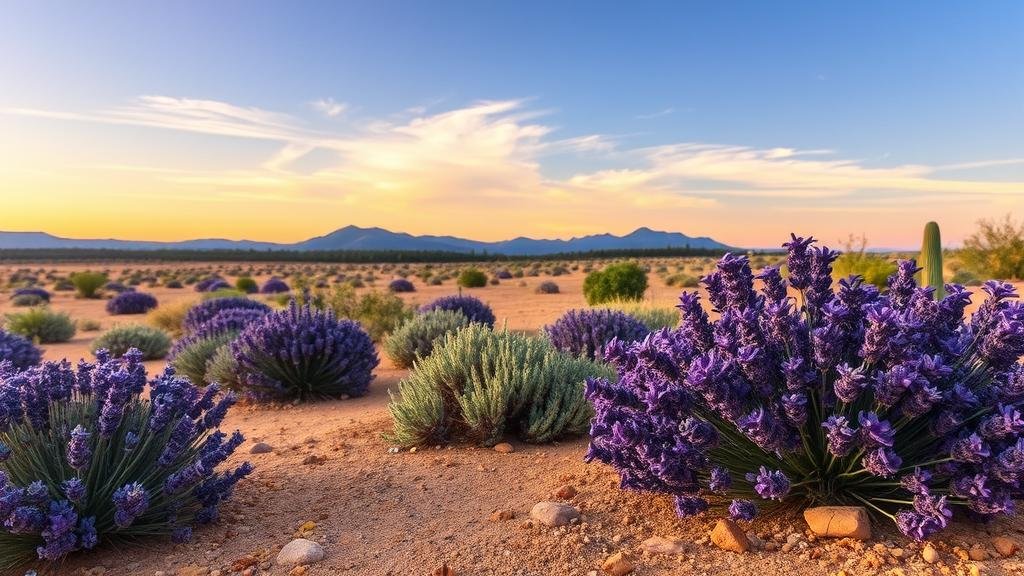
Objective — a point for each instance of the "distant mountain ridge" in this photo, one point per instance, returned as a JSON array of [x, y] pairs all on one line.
[[356, 238]]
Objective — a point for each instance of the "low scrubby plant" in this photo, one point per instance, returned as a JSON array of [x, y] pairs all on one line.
[[654, 317], [131, 303], [401, 285], [469, 306], [27, 301], [117, 287], [88, 284], [247, 285], [18, 350], [212, 284], [472, 278], [304, 353], [547, 287], [170, 317], [222, 368], [152, 342], [415, 339], [38, 293], [88, 324], [379, 313], [477, 384], [174, 284], [586, 333], [274, 286], [622, 281], [42, 325], [895, 402], [86, 459], [205, 311], [191, 357]]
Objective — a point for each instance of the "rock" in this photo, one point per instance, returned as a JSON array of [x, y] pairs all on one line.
[[1006, 547], [727, 535], [929, 554], [261, 448], [566, 492], [554, 513], [973, 570], [504, 448], [617, 565], [300, 551], [443, 570], [839, 521], [501, 515], [314, 460], [659, 545], [193, 570], [299, 570], [978, 553]]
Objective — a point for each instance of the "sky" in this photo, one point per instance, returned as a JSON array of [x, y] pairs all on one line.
[[743, 121]]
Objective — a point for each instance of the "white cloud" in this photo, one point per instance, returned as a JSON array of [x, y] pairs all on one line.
[[658, 114], [329, 107]]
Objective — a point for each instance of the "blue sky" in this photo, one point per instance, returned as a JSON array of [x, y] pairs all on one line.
[[873, 85]]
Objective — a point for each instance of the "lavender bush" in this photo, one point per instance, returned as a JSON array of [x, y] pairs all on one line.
[[211, 284], [470, 307], [585, 333], [274, 286], [131, 303], [305, 353], [31, 291], [203, 312], [401, 285], [893, 401], [85, 459], [17, 350]]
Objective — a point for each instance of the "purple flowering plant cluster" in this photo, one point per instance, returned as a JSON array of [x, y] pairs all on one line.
[[199, 315], [401, 285], [18, 350], [85, 459], [274, 286], [808, 393], [131, 302], [470, 307], [586, 332], [212, 284]]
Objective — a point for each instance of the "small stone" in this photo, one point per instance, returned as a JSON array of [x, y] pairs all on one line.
[[261, 448], [978, 553], [504, 448], [501, 515], [617, 565], [443, 570], [300, 551], [554, 513], [1006, 547], [299, 570], [896, 552], [314, 460], [566, 492], [839, 521], [727, 535], [660, 545], [929, 554]]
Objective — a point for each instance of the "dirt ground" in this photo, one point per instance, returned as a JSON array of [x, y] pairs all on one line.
[[331, 478]]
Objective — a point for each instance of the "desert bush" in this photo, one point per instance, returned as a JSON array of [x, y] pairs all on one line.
[[27, 301], [503, 274], [170, 317], [42, 325], [547, 287], [996, 249], [191, 357], [586, 333], [654, 317], [478, 383], [205, 311], [247, 285], [18, 350], [469, 306], [416, 337], [87, 325], [39, 294], [174, 284], [131, 303], [88, 284], [848, 397], [152, 342], [222, 368], [304, 353], [472, 278], [622, 281], [274, 286], [212, 284], [682, 281], [98, 462], [875, 269], [401, 285], [966, 278], [379, 313], [117, 287]]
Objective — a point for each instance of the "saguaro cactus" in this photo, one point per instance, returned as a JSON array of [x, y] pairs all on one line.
[[931, 259]]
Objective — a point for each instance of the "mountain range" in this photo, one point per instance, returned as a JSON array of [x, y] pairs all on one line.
[[356, 238]]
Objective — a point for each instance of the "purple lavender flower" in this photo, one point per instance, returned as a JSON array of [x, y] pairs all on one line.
[[274, 286], [742, 510], [849, 383], [207, 310], [131, 303], [18, 350], [59, 535], [720, 480], [399, 285], [472, 308], [5, 452], [74, 490], [799, 261], [87, 536], [130, 502], [841, 438], [882, 462], [586, 333], [874, 432], [769, 484], [690, 505], [79, 450], [970, 449]]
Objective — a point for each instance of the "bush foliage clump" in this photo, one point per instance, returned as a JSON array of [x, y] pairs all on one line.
[[547, 287], [472, 278], [401, 285], [246, 285], [203, 312], [275, 286], [469, 306], [152, 342], [585, 333], [131, 303], [996, 249], [42, 325], [416, 338], [18, 350], [622, 281], [38, 293], [88, 284]]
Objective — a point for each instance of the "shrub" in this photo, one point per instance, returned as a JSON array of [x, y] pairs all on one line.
[[205, 311], [88, 283], [32, 291], [547, 287], [117, 287], [415, 339], [996, 249], [469, 306], [131, 303], [174, 284], [503, 275], [27, 300], [304, 353], [222, 369], [622, 281], [153, 343], [170, 317], [654, 317], [275, 286], [875, 269], [88, 325], [17, 350], [966, 278], [42, 325], [682, 281], [401, 285], [212, 284], [379, 313], [890, 402], [191, 357], [229, 320], [247, 285], [472, 278], [477, 383], [98, 462], [585, 333]]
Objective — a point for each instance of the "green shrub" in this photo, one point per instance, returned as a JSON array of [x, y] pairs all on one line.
[[42, 325], [682, 281], [191, 361], [966, 278], [472, 278], [380, 313], [622, 281], [654, 317], [247, 285], [996, 250], [855, 259], [223, 293], [416, 337], [477, 383], [152, 342], [222, 368], [88, 283], [26, 300], [88, 325], [170, 317]]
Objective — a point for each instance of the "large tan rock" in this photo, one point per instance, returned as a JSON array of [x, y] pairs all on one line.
[[1005, 546], [617, 565], [554, 513], [727, 535], [661, 545], [839, 521]]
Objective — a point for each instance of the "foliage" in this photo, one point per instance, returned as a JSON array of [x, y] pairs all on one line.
[[477, 383], [18, 350], [469, 306], [996, 249], [27, 300], [170, 317], [88, 283], [585, 333], [304, 353], [192, 358], [547, 287], [247, 285], [223, 293], [222, 368], [931, 260], [42, 325], [845, 397], [211, 284], [622, 281], [654, 317], [205, 311], [682, 281], [401, 285], [88, 324], [472, 278], [275, 286], [87, 459], [152, 342], [35, 291], [875, 269], [379, 313], [131, 303], [416, 337], [966, 278]]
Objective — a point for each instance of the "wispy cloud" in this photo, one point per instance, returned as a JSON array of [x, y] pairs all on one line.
[[329, 107], [658, 114]]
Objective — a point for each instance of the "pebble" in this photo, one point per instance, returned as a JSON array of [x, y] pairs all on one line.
[[261, 448], [501, 515], [727, 535], [504, 448], [839, 521], [978, 553], [661, 545], [300, 551], [554, 513], [617, 565], [1006, 547], [566, 492], [929, 554]]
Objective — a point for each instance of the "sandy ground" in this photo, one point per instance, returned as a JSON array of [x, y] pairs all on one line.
[[332, 479]]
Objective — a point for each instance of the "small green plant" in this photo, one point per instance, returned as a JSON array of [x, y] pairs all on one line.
[[222, 369], [472, 278], [223, 293], [247, 285], [415, 338], [42, 325], [170, 317], [654, 317], [622, 281], [682, 281], [88, 284], [152, 342], [27, 300], [88, 325], [191, 361], [855, 259], [930, 260], [996, 249], [379, 313]]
